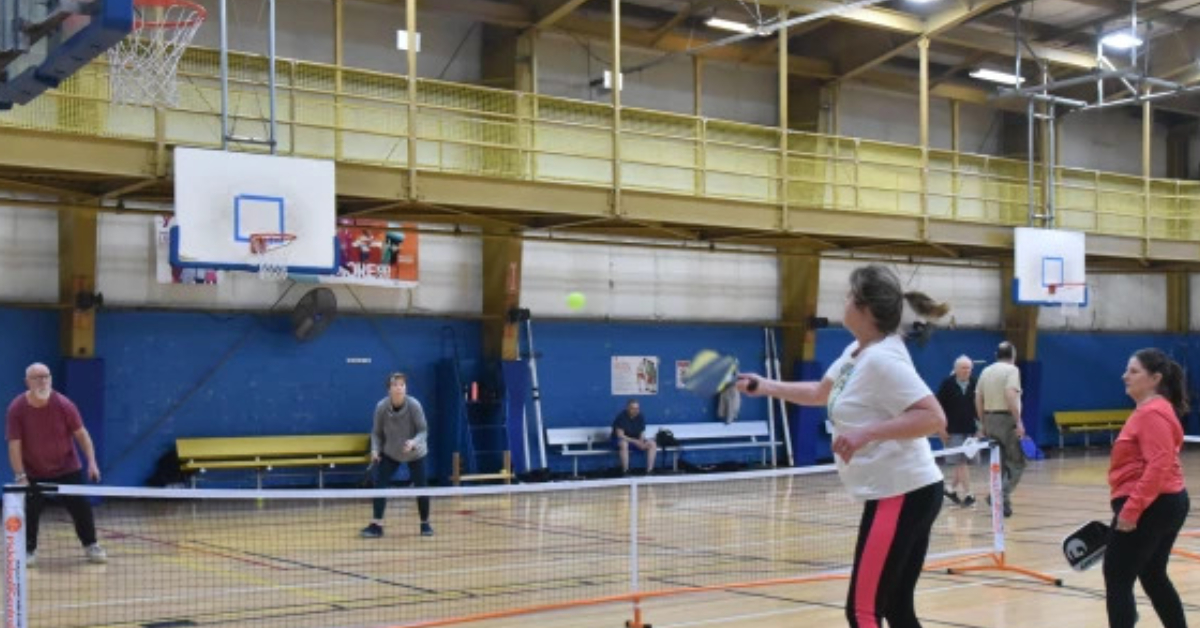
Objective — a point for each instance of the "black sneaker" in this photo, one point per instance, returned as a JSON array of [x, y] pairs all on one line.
[[373, 531], [950, 495], [1007, 511], [968, 501], [426, 529]]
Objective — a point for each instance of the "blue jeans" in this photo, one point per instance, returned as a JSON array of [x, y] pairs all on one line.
[[383, 476]]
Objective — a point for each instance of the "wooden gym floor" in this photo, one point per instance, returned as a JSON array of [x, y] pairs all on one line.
[[250, 566]]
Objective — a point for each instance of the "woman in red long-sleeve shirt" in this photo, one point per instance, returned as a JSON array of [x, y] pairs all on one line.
[[1149, 500]]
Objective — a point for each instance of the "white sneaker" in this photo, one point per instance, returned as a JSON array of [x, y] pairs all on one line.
[[31, 560], [95, 554]]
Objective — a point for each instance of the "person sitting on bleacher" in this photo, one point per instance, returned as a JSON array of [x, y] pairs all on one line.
[[629, 428]]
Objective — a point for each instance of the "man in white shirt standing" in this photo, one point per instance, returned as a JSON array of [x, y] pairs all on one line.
[[998, 402]]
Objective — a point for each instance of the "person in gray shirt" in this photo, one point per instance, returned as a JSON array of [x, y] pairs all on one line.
[[399, 436]]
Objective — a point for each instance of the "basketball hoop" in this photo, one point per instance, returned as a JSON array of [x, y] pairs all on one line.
[[271, 253], [143, 65]]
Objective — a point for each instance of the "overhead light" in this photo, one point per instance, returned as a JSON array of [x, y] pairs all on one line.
[[402, 40], [1003, 78], [1121, 40], [608, 82], [730, 25]]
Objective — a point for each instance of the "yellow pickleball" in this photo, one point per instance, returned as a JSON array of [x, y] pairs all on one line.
[[576, 300]]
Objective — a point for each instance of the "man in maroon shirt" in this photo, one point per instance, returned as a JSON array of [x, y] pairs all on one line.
[[42, 427]]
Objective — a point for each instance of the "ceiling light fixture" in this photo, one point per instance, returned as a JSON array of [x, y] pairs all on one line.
[[730, 25], [1121, 40], [993, 76]]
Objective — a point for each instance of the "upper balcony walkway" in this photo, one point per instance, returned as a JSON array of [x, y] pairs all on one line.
[[515, 160]]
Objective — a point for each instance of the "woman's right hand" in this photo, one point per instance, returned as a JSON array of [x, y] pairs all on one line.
[[751, 384]]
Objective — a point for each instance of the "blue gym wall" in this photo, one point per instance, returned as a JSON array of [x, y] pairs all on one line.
[[574, 363], [246, 375], [1083, 372], [174, 375]]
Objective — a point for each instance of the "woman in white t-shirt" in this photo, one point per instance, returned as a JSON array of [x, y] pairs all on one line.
[[882, 414]]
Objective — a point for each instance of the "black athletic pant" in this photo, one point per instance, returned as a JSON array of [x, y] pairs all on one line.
[[78, 507], [893, 538], [1142, 555], [416, 472]]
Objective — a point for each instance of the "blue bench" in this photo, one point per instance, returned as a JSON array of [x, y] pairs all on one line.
[[596, 441]]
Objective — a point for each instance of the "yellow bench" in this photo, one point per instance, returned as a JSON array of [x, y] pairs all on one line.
[[1088, 421], [264, 453]]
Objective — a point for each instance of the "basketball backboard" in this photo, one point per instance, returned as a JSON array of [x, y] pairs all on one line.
[[222, 199], [1049, 267], [42, 42]]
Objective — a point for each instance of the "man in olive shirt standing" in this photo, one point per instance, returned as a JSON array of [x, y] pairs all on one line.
[[998, 402], [399, 436]]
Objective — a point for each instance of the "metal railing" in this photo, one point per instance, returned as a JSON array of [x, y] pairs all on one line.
[[467, 129]]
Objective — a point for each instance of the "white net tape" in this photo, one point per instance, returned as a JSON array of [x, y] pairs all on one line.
[[271, 254], [143, 65]]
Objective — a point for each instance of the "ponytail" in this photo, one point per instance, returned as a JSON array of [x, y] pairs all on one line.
[[924, 305]]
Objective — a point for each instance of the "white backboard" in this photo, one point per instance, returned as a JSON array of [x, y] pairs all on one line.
[[221, 198], [1049, 267]]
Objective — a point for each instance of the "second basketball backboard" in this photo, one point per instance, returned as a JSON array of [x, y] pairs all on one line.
[[224, 199], [1049, 267]]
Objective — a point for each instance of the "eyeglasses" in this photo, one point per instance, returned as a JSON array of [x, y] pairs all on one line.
[[39, 377]]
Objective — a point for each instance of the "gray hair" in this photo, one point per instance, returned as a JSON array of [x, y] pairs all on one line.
[[33, 367]]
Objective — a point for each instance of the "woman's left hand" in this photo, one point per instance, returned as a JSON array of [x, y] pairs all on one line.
[[1125, 526], [849, 442]]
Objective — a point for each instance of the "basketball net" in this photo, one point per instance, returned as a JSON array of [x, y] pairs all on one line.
[[271, 253], [1069, 309], [142, 67]]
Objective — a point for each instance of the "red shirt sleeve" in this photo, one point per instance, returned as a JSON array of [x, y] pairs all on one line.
[[12, 421], [1156, 444], [70, 413]]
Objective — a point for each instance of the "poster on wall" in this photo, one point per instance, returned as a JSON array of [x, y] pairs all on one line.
[[376, 253], [634, 375], [681, 368], [165, 272]]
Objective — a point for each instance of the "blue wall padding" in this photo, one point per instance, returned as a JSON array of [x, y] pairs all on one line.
[[810, 442], [247, 376], [451, 425], [171, 374], [32, 337], [1083, 372], [1032, 393], [516, 392], [83, 381], [575, 376]]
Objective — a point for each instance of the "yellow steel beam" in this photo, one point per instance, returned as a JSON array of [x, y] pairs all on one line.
[[670, 24], [34, 188], [1178, 303], [76, 275], [954, 17], [1020, 321], [875, 18], [799, 289], [674, 42], [552, 18], [65, 153], [502, 259], [935, 25], [978, 39]]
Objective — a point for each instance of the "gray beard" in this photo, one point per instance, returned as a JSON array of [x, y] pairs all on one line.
[[42, 395]]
